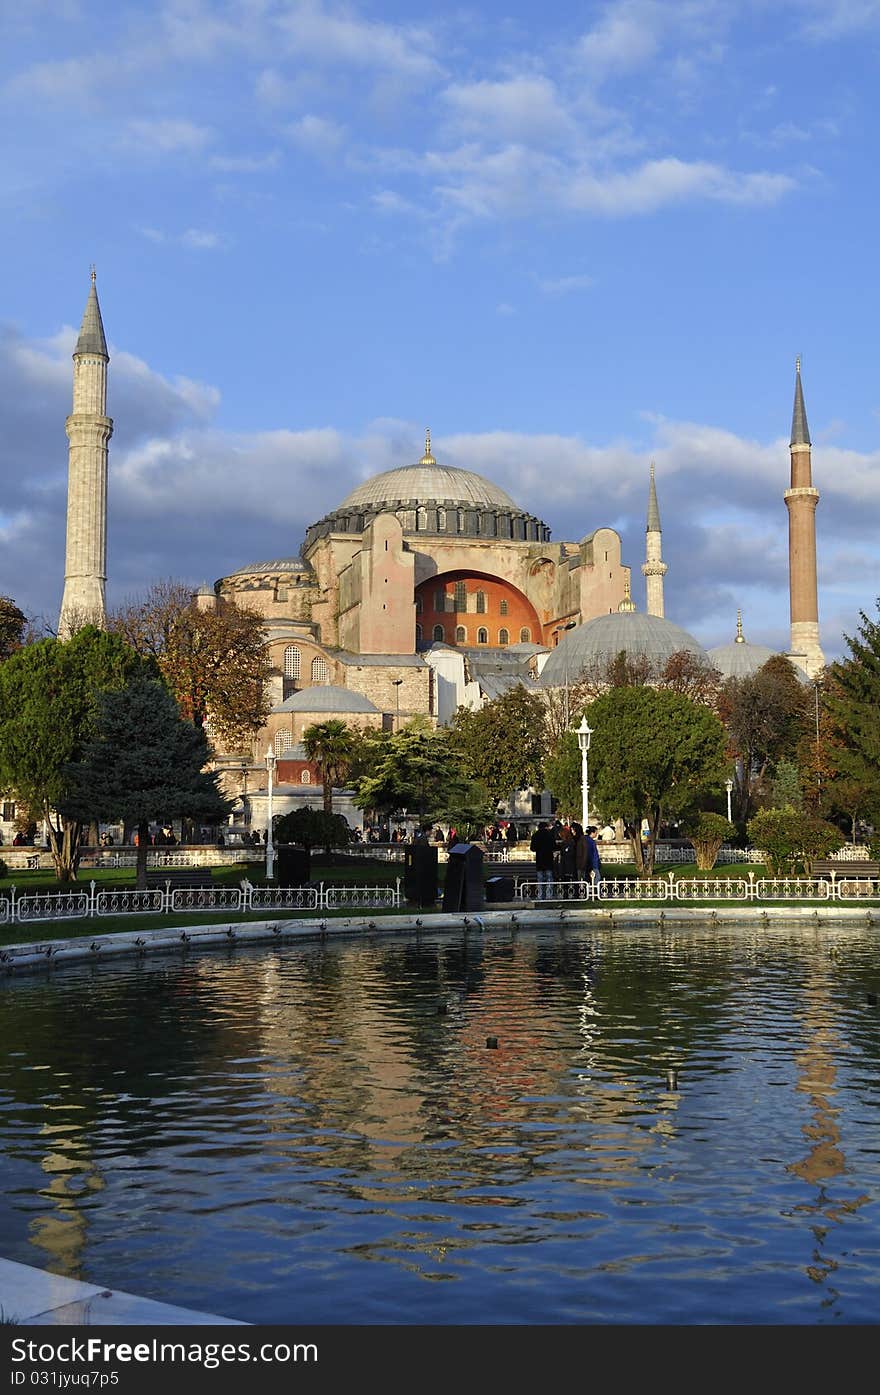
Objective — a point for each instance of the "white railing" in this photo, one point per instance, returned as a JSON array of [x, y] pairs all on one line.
[[207, 898], [793, 889], [347, 897], [52, 905], [709, 889], [5, 910], [284, 898], [133, 902]]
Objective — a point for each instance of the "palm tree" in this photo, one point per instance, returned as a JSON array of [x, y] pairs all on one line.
[[331, 745]]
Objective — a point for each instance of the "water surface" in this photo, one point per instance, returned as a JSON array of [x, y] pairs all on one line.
[[673, 1127]]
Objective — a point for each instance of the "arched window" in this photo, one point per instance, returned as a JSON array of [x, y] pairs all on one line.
[[439, 636], [503, 607], [460, 634], [306, 777], [291, 661], [461, 520], [461, 597], [421, 520], [503, 637], [418, 634], [441, 520], [525, 635], [481, 602], [282, 742], [320, 673], [482, 636]]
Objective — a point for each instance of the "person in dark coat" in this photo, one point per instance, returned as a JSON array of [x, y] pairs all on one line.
[[543, 845], [594, 864]]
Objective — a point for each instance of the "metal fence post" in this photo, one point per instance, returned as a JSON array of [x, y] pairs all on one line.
[[13, 909], [92, 911], [322, 902], [166, 899], [397, 894]]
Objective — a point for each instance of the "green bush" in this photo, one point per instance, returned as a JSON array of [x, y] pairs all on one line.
[[706, 835], [312, 828], [792, 839], [4, 870]]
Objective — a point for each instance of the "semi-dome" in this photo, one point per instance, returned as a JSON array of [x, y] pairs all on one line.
[[740, 659], [427, 484], [593, 644], [326, 697], [277, 564]]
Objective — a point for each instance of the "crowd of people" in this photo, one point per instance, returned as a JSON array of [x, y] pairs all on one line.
[[565, 852]]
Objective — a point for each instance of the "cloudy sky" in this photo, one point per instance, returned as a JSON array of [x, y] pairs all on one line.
[[569, 238]]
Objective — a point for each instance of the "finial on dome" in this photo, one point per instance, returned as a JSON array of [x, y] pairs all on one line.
[[627, 604], [740, 637], [427, 458]]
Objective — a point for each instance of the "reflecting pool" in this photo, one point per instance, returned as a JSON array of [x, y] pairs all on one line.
[[674, 1126]]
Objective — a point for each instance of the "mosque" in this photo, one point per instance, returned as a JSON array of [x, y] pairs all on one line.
[[428, 587]]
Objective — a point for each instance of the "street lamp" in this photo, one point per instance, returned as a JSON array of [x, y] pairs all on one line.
[[397, 682], [728, 785], [584, 732], [271, 762]]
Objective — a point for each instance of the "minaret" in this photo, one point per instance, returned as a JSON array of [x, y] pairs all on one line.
[[654, 568], [88, 430], [801, 500]]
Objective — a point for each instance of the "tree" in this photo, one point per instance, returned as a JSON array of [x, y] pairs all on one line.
[[331, 745], [214, 660], [562, 772], [765, 717], [792, 839], [311, 828], [653, 753], [706, 836], [853, 704], [144, 762], [49, 694], [420, 769], [504, 741], [13, 627]]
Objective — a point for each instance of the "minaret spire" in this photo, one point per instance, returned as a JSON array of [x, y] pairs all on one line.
[[88, 430], [654, 568], [801, 500]]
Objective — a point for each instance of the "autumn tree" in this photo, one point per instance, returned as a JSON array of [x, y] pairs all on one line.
[[49, 695], [214, 660], [504, 742], [765, 716], [13, 627], [144, 762]]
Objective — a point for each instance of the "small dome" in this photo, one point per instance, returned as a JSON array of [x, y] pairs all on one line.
[[602, 639], [280, 564], [427, 484], [739, 659], [326, 697]]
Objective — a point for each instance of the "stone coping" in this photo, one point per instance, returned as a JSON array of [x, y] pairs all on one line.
[[36, 1297], [48, 953]]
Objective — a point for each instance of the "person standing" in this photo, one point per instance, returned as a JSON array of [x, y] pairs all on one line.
[[594, 862], [579, 843], [543, 845]]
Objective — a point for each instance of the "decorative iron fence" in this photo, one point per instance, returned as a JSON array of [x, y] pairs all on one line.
[[284, 898], [129, 902], [52, 905], [363, 897]]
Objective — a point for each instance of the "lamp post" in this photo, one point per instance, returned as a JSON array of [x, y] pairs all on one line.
[[271, 762], [397, 682], [584, 732], [728, 785]]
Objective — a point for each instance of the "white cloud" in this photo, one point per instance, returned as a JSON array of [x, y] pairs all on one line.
[[316, 135], [626, 37], [565, 285], [246, 164], [196, 239], [341, 37], [521, 109], [167, 136]]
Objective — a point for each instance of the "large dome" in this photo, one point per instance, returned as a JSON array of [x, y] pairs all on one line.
[[740, 659], [592, 645], [427, 484]]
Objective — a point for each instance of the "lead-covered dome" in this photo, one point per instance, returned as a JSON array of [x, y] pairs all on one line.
[[740, 659], [594, 644], [427, 484]]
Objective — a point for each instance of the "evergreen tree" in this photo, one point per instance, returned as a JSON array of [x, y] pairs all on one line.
[[49, 694], [145, 762], [853, 705], [505, 741]]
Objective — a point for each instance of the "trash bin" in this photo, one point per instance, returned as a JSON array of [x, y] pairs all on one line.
[[293, 865], [420, 874], [464, 878], [500, 889]]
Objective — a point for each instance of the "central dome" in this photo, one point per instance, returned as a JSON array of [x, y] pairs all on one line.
[[427, 484]]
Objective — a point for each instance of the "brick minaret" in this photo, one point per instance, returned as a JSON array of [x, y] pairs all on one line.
[[654, 568], [88, 430], [801, 500]]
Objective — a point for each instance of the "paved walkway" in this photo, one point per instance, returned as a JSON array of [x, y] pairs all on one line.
[[35, 1297]]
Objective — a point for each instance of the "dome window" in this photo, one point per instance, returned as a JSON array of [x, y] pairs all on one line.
[[503, 637], [320, 672], [291, 662], [503, 608], [482, 636], [439, 636], [525, 635], [460, 634]]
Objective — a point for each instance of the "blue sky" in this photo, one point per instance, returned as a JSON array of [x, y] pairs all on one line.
[[571, 239]]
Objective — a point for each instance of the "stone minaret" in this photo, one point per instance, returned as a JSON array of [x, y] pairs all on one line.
[[801, 500], [654, 568], [88, 430]]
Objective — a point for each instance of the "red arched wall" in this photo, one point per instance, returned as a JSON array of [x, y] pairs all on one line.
[[521, 614]]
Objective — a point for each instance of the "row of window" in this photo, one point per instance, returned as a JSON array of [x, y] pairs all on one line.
[[444, 602], [293, 666], [439, 635]]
